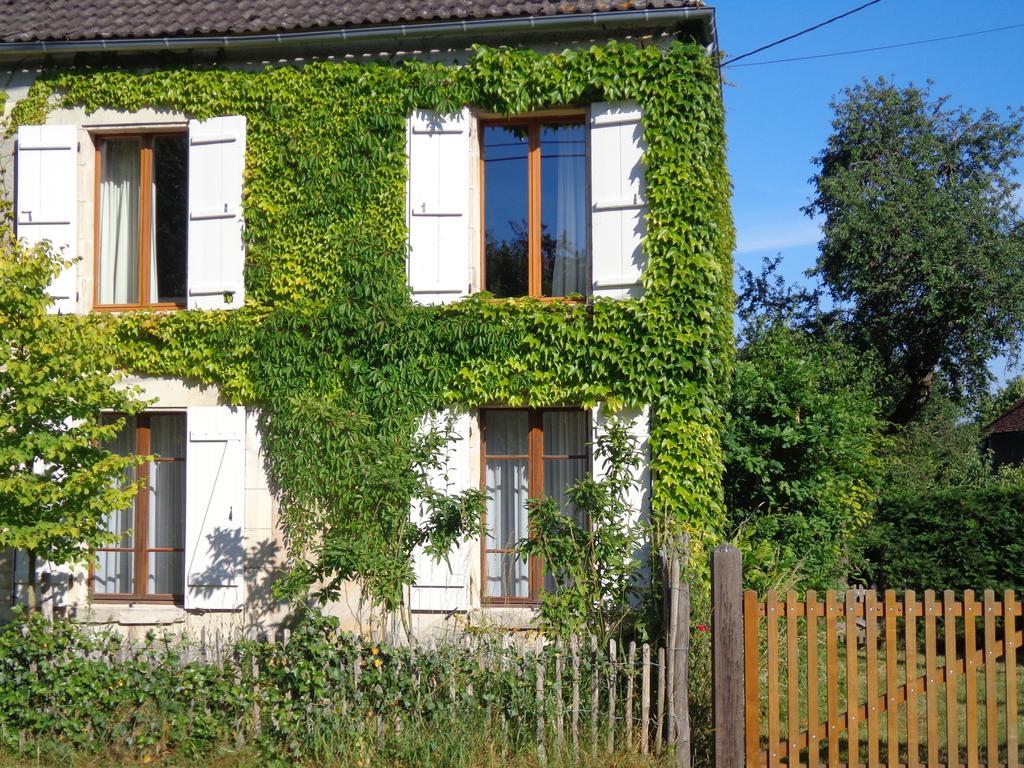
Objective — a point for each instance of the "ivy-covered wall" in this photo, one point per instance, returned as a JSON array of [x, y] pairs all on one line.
[[330, 347]]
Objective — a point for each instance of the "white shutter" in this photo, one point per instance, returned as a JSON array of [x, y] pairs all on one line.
[[216, 254], [639, 425], [214, 507], [617, 192], [47, 192], [438, 206], [54, 580], [444, 586]]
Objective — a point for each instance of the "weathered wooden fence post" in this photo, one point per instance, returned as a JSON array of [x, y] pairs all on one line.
[[727, 655], [681, 655]]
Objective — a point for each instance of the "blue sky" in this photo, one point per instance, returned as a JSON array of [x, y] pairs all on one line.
[[778, 115]]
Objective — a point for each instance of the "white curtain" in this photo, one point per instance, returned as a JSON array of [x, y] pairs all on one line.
[[154, 283], [570, 233], [119, 222], [115, 570], [508, 488], [166, 573]]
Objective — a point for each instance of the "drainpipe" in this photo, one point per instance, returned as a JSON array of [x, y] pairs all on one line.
[[386, 38]]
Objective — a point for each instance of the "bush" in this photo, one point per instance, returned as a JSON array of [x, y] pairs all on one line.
[[959, 538]]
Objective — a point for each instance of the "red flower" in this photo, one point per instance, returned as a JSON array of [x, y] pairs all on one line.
[[703, 628]]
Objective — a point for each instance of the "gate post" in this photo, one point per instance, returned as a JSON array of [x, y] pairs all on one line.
[[727, 655]]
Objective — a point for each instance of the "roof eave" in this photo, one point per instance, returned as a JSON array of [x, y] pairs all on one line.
[[391, 37]]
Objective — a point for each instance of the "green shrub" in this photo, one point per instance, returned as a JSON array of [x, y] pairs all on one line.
[[959, 538]]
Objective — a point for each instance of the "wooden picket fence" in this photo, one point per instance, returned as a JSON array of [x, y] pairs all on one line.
[[859, 679]]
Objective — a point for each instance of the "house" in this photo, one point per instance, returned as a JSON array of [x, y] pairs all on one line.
[[214, 167], [1004, 437]]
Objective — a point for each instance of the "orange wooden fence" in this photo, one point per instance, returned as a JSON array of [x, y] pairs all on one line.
[[891, 680]]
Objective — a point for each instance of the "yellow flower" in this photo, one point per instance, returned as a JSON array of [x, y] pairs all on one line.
[[378, 663], [375, 650]]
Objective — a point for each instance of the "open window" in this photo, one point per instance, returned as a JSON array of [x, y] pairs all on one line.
[[527, 453], [141, 221], [535, 206]]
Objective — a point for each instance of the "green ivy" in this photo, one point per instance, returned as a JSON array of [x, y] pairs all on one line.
[[330, 347]]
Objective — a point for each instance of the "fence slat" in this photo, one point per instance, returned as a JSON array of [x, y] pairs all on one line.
[[971, 676], [630, 664], [852, 696], [659, 732], [952, 718], [612, 691], [595, 701], [871, 674], [991, 668], [772, 616], [813, 737], [645, 699], [559, 701], [792, 679], [670, 642], [574, 649], [751, 678], [1011, 610], [832, 676], [931, 686], [539, 666], [910, 611], [892, 710]]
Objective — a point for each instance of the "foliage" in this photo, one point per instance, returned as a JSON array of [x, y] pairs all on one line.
[[329, 346], [953, 538], [992, 405], [802, 456], [594, 557], [57, 483], [922, 246], [74, 691]]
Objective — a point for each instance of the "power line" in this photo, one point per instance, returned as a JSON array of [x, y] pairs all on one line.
[[883, 47], [798, 34]]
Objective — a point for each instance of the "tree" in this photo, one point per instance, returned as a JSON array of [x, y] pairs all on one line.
[[923, 241], [593, 559], [57, 483], [802, 455]]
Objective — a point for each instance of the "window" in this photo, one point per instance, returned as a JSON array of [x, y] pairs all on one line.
[[535, 207], [526, 454], [148, 563], [141, 220]]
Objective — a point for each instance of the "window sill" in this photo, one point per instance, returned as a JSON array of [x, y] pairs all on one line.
[[133, 613], [138, 307]]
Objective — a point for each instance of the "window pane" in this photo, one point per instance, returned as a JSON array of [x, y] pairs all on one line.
[[167, 504], [506, 210], [119, 221], [166, 573], [124, 443], [114, 573], [507, 432], [559, 474], [170, 214], [167, 435], [563, 198], [507, 491], [507, 576], [565, 433]]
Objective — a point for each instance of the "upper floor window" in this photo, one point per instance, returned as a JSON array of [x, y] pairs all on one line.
[[535, 217], [142, 220]]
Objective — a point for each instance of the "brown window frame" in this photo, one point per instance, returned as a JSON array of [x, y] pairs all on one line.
[[533, 122], [140, 531], [145, 139], [535, 458]]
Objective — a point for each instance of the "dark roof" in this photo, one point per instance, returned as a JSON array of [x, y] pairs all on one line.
[[1011, 420], [50, 20]]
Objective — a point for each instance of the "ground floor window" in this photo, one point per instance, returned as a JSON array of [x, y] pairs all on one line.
[[148, 563], [527, 453]]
